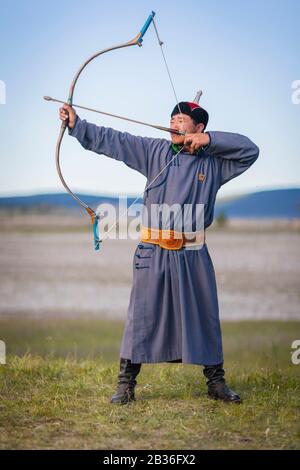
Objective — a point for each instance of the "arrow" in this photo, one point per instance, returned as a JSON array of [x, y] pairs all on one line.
[[161, 128]]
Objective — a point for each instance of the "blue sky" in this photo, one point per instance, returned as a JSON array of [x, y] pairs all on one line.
[[244, 55]]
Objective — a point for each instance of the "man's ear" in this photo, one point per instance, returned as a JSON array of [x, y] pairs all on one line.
[[200, 127]]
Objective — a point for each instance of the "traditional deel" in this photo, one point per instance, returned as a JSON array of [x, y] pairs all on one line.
[[173, 313]]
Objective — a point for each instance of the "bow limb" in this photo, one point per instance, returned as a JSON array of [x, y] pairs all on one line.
[[136, 41]]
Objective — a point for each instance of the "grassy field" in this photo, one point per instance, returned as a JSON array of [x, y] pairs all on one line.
[[60, 374]]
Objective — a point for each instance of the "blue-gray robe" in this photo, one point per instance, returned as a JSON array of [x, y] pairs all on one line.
[[173, 313]]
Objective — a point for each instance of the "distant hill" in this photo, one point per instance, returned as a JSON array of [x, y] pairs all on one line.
[[277, 203], [54, 200]]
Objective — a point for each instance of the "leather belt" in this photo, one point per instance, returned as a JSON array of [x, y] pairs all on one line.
[[171, 239]]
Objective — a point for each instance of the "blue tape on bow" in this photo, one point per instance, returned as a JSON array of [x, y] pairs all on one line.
[[146, 26], [97, 240]]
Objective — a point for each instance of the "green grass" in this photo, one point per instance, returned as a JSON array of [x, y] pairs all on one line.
[[60, 374]]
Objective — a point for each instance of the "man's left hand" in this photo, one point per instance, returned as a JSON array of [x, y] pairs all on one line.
[[194, 142]]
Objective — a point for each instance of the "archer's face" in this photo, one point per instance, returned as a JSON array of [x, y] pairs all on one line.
[[183, 123]]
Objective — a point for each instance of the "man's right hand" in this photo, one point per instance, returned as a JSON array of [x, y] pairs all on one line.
[[67, 112]]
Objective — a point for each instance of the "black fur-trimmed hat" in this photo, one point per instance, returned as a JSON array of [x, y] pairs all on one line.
[[192, 109]]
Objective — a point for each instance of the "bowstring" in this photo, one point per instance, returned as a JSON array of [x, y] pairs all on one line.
[[160, 42]]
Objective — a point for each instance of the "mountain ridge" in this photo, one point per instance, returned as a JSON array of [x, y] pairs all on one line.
[[274, 203]]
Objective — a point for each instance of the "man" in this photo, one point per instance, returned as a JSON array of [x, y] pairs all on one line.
[[173, 313]]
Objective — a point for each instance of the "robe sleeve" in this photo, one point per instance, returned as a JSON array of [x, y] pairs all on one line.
[[130, 149], [234, 153]]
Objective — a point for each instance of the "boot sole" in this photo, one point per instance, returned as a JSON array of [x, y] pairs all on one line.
[[237, 402], [123, 402]]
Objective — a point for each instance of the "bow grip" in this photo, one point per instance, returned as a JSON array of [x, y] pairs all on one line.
[[66, 122]]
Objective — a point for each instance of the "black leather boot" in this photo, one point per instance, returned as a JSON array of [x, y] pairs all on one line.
[[126, 383], [217, 388]]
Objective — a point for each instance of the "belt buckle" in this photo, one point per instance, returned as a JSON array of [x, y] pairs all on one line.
[[171, 243]]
